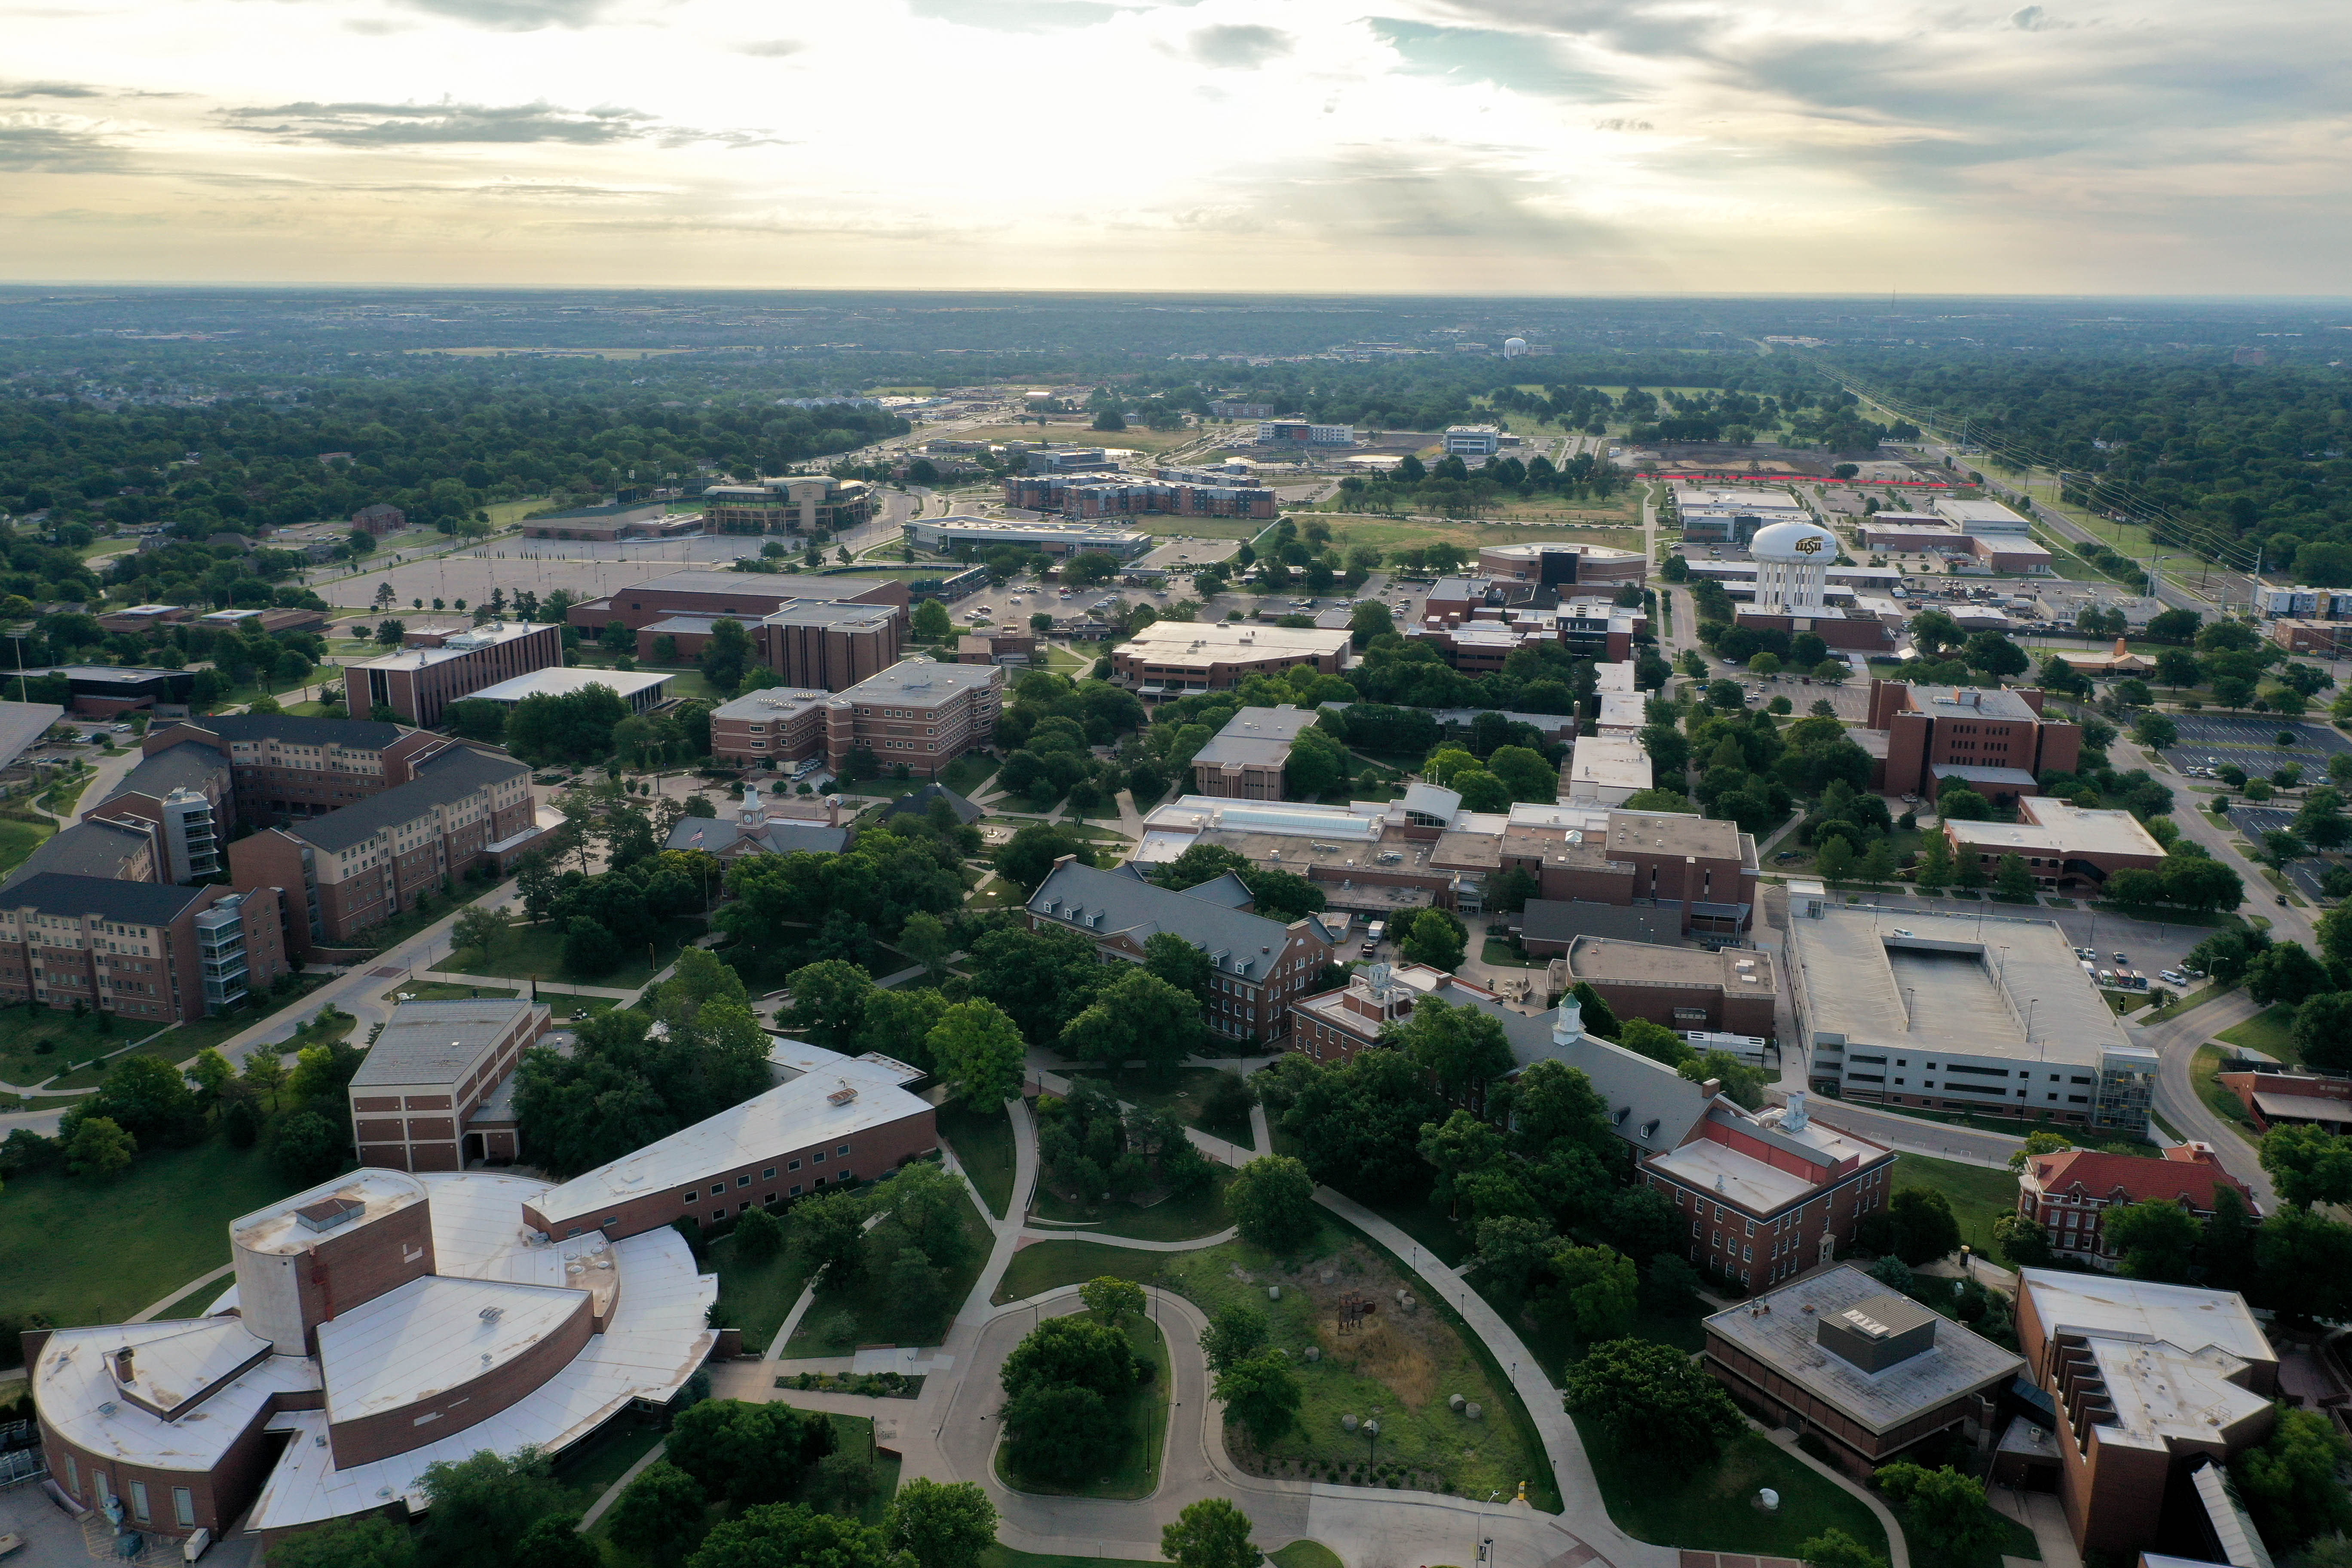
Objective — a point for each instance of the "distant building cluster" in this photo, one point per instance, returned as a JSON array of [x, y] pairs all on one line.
[[1173, 492], [798, 503], [918, 713], [948, 535]]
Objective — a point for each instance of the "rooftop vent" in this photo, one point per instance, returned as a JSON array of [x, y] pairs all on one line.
[[328, 1213], [491, 1314], [844, 1095]]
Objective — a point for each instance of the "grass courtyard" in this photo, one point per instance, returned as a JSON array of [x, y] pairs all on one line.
[[1978, 1195], [982, 1143], [757, 1296], [2270, 1031], [1714, 1509], [838, 1322], [536, 952], [1168, 1219]]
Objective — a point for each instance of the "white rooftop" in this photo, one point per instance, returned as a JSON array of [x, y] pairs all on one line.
[[459, 644], [2061, 829], [1709, 1166], [770, 703], [553, 682], [809, 1109], [430, 1335], [1210, 642], [279, 1229], [2173, 1358], [1610, 762], [78, 1398]]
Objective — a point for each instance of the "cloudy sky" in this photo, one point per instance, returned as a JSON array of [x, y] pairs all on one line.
[[1454, 146]]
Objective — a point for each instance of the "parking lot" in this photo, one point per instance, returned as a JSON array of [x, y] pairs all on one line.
[[2250, 741], [2253, 821]]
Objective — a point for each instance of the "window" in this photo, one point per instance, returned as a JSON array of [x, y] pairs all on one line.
[[572, 1232], [718, 1216], [744, 1206], [769, 1175], [842, 1151], [73, 1475], [139, 1500], [744, 1180], [184, 1507], [792, 1165], [769, 1201], [716, 1188], [796, 1189], [817, 1158], [612, 1219]]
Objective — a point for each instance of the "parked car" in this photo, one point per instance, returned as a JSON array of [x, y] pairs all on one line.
[[2173, 977], [2120, 959]]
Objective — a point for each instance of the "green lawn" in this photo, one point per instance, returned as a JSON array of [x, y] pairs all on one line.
[[984, 1146], [604, 1455], [2204, 1070], [19, 837], [757, 1296], [1132, 1470], [23, 1031], [181, 1043], [836, 1324], [2271, 1032], [530, 951], [1170, 1219], [194, 1303], [1005, 1557], [965, 775], [1978, 1196], [97, 1251], [1044, 1266], [1713, 1510], [1306, 1554], [1403, 1365], [855, 1434]]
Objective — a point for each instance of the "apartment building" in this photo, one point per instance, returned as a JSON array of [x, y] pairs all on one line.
[[795, 503], [918, 713], [436, 667], [1171, 658], [280, 767], [746, 596], [827, 644], [1247, 758], [1303, 433], [1258, 967], [1993, 740], [2069, 1193], [379, 519], [146, 950], [1112, 495], [771, 728], [435, 1092], [121, 851], [354, 868]]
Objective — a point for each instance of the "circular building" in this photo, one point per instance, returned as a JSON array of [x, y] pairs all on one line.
[[1563, 565], [1514, 347], [1793, 568]]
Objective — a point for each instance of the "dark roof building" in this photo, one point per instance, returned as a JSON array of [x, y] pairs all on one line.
[[919, 803], [451, 776], [93, 848]]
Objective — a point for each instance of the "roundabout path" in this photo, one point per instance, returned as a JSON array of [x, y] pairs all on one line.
[[949, 1433]]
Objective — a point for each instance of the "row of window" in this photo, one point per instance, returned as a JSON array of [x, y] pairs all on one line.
[[184, 1501], [719, 1189]]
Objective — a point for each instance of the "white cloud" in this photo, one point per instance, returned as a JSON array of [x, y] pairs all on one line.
[[1448, 144]]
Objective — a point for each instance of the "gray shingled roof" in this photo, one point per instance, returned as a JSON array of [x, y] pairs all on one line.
[[714, 835], [185, 766], [1651, 1106], [127, 904], [920, 802], [1104, 903], [454, 774], [84, 849], [360, 733], [428, 1042]]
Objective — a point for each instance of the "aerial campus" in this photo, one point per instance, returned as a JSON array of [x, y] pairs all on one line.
[[1406, 951]]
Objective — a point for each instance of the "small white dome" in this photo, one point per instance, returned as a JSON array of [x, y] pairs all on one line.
[[1794, 541], [1514, 347]]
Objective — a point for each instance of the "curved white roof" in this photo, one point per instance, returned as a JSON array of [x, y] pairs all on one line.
[[1794, 541]]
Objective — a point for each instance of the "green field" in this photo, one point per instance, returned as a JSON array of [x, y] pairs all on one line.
[[1714, 1509], [182, 1042], [1978, 1196], [1306, 1554], [19, 837], [1132, 1469], [1170, 1219], [837, 1323], [983, 1145], [1403, 1364], [2204, 1071], [2271, 1032], [1044, 1266], [536, 952], [78, 1251]]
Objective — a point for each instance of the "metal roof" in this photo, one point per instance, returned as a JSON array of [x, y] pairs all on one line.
[[360, 734], [94, 848], [21, 725], [190, 764]]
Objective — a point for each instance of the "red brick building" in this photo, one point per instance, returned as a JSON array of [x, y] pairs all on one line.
[[2292, 1100], [380, 519], [148, 951], [1995, 739], [1258, 967], [1730, 990], [356, 867], [2068, 1194], [1704, 869], [436, 667], [746, 596], [280, 767], [435, 1092], [1770, 1195], [837, 1120], [2063, 845]]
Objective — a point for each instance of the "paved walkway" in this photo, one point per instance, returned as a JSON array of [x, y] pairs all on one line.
[[198, 1283], [508, 982]]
